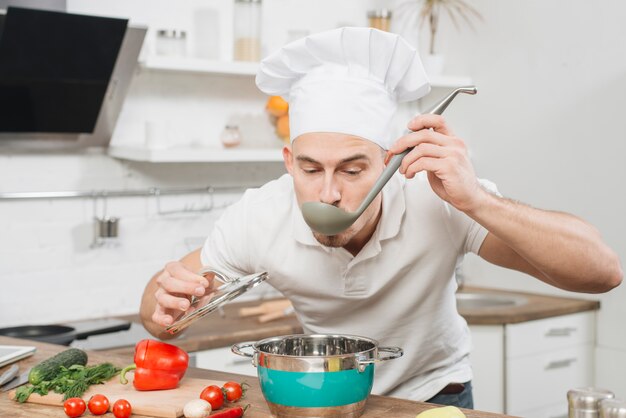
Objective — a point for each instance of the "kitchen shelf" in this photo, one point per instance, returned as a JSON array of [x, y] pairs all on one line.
[[190, 155], [242, 68], [189, 65], [197, 65]]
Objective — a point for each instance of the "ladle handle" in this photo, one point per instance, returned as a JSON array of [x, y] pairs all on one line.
[[396, 160], [387, 173]]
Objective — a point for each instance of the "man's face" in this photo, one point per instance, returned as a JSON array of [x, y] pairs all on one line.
[[337, 169]]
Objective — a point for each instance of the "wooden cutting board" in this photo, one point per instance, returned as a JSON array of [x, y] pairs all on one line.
[[155, 403]]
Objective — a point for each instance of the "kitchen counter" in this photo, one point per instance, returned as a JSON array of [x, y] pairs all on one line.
[[536, 307], [377, 406], [221, 331]]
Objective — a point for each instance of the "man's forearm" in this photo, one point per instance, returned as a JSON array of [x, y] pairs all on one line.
[[565, 249]]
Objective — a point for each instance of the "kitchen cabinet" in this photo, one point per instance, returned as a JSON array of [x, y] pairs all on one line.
[[526, 369], [223, 360], [487, 358]]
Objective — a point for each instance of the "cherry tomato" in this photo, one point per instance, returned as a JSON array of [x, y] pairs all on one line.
[[74, 407], [233, 391], [213, 395], [98, 404], [122, 408]]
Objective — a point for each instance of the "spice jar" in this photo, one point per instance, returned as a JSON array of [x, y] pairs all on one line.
[[171, 42], [379, 19], [583, 402], [247, 26], [230, 136], [612, 408]]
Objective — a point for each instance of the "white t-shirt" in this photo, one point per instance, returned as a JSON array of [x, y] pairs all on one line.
[[399, 289]]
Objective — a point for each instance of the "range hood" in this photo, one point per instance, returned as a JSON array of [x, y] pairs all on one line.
[[63, 78]]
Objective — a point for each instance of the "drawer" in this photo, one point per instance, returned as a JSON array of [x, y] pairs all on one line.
[[544, 379], [534, 337], [553, 411], [223, 360]]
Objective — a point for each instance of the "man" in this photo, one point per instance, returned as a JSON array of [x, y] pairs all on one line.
[[390, 276]]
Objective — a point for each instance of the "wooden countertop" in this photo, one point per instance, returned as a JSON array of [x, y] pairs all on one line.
[[377, 406], [536, 307], [222, 331]]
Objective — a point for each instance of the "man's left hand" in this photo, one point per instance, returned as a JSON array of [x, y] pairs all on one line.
[[444, 157]]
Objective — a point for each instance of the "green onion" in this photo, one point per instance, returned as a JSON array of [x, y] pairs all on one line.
[[71, 381]]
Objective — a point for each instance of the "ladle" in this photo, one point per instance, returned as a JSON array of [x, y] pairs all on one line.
[[331, 220]]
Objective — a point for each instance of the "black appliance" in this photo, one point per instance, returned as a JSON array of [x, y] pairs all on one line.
[[63, 76]]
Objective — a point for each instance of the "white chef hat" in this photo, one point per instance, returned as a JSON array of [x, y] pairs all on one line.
[[347, 80]]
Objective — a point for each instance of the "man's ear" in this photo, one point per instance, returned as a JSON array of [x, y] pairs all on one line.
[[288, 158]]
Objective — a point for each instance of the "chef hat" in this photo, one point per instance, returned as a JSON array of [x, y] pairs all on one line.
[[346, 80]]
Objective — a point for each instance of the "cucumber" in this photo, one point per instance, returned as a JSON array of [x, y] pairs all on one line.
[[48, 369]]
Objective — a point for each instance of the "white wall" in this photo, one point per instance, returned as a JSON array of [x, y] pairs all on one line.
[[547, 127], [48, 271]]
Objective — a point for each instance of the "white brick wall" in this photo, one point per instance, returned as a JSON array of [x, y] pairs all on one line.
[[48, 271]]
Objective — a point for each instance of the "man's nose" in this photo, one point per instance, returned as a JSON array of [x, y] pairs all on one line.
[[330, 191]]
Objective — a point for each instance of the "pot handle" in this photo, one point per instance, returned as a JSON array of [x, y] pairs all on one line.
[[237, 349], [394, 352]]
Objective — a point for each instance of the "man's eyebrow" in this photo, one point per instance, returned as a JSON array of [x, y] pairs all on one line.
[[306, 159], [355, 157]]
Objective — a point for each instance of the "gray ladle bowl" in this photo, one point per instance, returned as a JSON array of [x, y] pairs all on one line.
[[331, 220]]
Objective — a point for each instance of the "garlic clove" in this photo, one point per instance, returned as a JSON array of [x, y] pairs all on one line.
[[197, 408]]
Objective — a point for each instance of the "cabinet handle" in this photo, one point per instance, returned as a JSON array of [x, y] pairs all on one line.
[[238, 361], [561, 332], [559, 364]]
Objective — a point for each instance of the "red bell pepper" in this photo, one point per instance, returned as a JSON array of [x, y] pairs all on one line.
[[157, 366]]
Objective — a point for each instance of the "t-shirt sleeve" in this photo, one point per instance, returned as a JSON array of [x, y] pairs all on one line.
[[226, 248], [477, 233], [465, 233]]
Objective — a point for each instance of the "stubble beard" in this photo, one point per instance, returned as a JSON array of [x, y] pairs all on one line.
[[335, 241]]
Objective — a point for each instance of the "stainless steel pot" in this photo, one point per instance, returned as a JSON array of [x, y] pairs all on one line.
[[316, 375]]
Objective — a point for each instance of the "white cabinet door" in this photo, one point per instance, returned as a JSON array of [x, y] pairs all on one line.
[[543, 379], [553, 411], [487, 359], [548, 334], [222, 359]]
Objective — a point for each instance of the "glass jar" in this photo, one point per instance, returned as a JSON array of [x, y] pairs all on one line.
[[171, 42], [230, 136], [379, 19], [247, 34]]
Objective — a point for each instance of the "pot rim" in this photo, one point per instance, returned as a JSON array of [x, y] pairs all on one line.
[[282, 337]]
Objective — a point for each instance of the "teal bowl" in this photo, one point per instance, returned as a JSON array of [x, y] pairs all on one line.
[[307, 376]]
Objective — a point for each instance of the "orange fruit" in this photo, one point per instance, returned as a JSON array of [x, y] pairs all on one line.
[[277, 106], [282, 127]]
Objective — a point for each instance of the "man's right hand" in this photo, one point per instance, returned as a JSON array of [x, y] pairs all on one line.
[[176, 284]]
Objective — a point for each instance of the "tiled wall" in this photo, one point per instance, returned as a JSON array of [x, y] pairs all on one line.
[[48, 270]]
